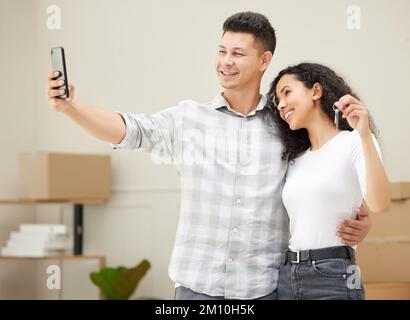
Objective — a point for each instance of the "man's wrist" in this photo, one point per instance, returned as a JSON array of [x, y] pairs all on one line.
[[71, 107]]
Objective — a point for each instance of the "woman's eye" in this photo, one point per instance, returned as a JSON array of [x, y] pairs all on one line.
[[286, 93]]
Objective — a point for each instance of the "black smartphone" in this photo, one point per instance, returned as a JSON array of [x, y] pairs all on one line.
[[58, 63]]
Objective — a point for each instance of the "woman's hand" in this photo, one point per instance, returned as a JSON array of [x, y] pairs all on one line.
[[356, 114]]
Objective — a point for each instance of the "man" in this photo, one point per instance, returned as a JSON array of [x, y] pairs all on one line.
[[233, 228]]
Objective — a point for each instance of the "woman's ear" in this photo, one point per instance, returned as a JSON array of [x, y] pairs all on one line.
[[317, 91]]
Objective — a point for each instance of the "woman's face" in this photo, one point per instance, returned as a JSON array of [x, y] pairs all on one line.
[[295, 101]]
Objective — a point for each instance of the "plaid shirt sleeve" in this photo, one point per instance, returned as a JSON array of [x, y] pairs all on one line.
[[152, 132]]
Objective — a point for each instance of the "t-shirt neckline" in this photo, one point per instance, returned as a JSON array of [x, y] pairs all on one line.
[[326, 144]]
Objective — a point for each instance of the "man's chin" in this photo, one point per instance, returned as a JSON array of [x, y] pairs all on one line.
[[228, 86]]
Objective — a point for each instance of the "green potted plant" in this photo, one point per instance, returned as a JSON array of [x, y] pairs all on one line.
[[120, 283]]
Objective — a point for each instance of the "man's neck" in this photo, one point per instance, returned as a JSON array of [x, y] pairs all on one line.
[[243, 102]]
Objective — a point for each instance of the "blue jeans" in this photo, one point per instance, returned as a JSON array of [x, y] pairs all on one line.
[[330, 279], [183, 293]]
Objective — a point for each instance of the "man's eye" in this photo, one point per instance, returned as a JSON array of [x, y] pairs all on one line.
[[286, 92], [239, 54], [221, 52]]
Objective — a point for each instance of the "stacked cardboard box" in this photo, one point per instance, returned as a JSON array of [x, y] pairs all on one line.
[[384, 255], [61, 176]]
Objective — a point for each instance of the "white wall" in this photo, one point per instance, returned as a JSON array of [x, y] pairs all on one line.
[[17, 52], [143, 56]]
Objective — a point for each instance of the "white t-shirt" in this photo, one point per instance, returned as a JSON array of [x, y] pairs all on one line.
[[322, 188]]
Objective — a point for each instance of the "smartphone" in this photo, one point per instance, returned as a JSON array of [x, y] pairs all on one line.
[[58, 63]]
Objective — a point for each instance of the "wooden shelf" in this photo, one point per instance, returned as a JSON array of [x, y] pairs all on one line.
[[63, 257], [78, 214], [78, 231], [39, 201], [101, 259]]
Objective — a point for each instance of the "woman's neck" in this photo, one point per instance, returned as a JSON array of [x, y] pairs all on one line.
[[321, 130]]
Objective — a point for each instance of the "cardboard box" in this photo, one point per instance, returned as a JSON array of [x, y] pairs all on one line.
[[59, 176], [387, 290], [400, 190], [394, 225], [384, 261]]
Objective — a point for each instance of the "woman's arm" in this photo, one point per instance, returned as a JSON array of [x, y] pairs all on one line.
[[378, 193]]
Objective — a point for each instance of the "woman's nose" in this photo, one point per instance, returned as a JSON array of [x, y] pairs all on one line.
[[281, 105]]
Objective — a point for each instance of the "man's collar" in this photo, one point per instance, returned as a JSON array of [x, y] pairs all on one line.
[[220, 102]]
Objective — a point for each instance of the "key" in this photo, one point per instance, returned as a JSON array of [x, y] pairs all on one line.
[[337, 111]]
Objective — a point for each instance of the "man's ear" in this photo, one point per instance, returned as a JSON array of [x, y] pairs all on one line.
[[317, 91], [266, 59]]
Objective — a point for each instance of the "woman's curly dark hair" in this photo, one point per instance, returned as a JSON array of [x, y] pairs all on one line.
[[334, 87]]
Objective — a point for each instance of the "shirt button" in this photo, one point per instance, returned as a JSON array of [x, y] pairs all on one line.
[[235, 230], [230, 260], [238, 201], [242, 172]]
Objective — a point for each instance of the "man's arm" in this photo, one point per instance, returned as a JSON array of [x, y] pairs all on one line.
[[352, 232], [103, 124]]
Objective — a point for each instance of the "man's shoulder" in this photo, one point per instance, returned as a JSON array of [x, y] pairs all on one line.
[[193, 103], [184, 106]]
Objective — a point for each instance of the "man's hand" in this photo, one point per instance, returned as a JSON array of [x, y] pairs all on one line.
[[352, 232], [53, 91]]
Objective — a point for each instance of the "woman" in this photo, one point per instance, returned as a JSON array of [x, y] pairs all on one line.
[[332, 169]]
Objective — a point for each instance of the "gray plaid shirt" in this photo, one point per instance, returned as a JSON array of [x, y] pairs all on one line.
[[233, 227]]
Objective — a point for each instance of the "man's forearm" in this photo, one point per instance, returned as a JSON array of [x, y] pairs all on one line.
[[103, 124]]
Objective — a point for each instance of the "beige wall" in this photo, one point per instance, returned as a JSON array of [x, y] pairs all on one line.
[[17, 52], [143, 56]]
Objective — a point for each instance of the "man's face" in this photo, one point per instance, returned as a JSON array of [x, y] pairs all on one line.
[[240, 61]]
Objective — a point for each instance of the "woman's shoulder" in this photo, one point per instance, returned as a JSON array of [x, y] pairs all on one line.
[[349, 140], [353, 135], [354, 141], [350, 136]]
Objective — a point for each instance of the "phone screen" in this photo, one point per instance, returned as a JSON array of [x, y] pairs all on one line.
[[58, 63]]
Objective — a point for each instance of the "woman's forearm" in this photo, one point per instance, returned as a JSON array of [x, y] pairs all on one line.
[[378, 193]]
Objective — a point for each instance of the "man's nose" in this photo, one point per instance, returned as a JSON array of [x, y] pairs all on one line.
[[227, 59]]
